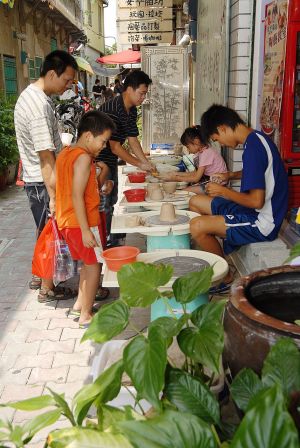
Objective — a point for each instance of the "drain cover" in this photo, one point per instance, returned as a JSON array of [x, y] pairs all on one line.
[[155, 221], [184, 265]]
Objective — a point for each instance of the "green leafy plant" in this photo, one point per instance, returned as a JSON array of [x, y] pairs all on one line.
[[185, 413], [8, 143]]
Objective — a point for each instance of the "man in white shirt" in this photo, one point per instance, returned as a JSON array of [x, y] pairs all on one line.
[[39, 140]]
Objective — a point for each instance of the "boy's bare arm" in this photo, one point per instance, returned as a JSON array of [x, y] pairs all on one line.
[[252, 199], [225, 177], [81, 173], [195, 176], [102, 177]]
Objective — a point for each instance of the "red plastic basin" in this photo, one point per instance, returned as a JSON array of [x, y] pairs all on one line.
[[116, 257], [135, 195], [136, 177]]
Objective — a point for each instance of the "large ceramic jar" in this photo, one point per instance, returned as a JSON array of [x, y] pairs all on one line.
[[262, 308]]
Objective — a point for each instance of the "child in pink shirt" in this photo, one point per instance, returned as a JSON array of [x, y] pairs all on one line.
[[207, 160]]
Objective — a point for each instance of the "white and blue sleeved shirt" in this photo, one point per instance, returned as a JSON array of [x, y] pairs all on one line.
[[263, 169]]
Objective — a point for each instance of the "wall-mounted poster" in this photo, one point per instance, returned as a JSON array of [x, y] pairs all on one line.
[[212, 35], [274, 64]]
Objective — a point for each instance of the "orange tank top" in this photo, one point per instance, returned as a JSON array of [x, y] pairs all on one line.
[[65, 213]]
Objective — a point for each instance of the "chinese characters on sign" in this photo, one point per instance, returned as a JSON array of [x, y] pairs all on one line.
[[145, 21], [274, 60], [145, 3], [155, 38]]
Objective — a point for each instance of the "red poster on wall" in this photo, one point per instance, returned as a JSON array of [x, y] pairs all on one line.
[[274, 64]]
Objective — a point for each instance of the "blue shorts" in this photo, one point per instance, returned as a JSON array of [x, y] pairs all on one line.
[[240, 224]]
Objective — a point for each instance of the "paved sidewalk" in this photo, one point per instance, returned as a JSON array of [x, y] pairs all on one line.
[[39, 343]]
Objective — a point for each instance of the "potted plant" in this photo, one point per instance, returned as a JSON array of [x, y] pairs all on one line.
[[9, 154], [185, 413]]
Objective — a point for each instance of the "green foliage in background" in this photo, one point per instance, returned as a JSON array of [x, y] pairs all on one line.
[[9, 153]]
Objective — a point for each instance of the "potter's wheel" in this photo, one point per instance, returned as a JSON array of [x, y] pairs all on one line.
[[183, 265], [156, 221]]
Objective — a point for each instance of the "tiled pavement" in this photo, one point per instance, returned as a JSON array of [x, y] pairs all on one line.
[[39, 343]]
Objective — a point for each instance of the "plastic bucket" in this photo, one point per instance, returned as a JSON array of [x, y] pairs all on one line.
[[159, 308], [168, 242]]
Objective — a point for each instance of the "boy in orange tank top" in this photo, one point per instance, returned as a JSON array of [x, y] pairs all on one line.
[[77, 202]]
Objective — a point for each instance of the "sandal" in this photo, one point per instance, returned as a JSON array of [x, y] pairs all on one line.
[[102, 294], [85, 325], [35, 282], [76, 313], [51, 295]]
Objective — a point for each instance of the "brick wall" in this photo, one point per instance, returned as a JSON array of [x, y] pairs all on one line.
[[239, 69]]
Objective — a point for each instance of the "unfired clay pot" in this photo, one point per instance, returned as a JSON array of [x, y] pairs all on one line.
[[262, 308], [151, 187], [167, 212], [169, 187], [132, 221], [156, 195]]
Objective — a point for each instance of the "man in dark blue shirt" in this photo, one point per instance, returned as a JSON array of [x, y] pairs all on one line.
[[122, 109]]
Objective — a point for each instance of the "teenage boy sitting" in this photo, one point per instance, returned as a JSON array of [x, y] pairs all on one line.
[[256, 212], [77, 202]]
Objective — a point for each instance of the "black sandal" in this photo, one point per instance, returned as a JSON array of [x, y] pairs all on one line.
[[35, 282], [50, 295]]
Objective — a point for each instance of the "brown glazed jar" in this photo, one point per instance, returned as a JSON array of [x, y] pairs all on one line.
[[262, 308]]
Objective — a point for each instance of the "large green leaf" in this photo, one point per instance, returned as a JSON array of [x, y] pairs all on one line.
[[145, 362], [294, 252], [86, 438], [139, 282], [104, 389], [209, 314], [110, 415], [63, 405], [282, 366], [110, 321], [205, 342], [187, 287], [244, 387], [32, 404], [169, 326], [267, 424], [169, 430], [190, 395], [35, 425]]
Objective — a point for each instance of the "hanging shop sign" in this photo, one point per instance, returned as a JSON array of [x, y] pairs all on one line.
[[145, 21], [274, 65], [145, 3]]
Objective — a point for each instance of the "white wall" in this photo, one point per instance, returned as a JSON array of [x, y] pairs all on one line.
[[239, 53]]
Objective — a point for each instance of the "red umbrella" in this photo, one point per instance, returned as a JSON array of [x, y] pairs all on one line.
[[124, 57]]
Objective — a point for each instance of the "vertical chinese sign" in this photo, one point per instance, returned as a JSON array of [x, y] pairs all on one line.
[[274, 64], [145, 21]]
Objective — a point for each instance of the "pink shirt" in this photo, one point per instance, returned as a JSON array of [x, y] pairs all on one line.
[[212, 160]]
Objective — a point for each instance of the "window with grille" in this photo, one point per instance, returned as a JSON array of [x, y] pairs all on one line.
[[31, 68], [37, 62], [53, 43], [10, 75]]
